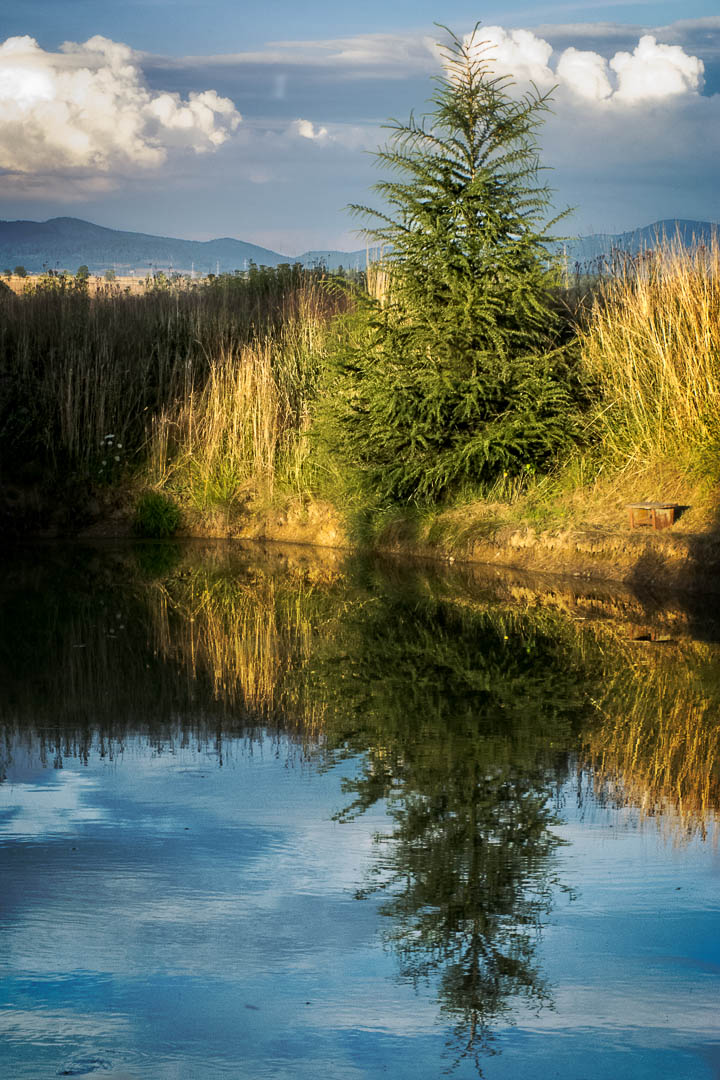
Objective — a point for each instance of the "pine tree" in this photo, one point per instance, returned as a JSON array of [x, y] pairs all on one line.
[[455, 378]]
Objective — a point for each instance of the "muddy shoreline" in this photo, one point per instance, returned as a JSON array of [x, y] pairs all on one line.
[[641, 560]]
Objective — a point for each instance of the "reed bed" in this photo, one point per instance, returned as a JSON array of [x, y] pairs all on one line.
[[152, 370], [651, 346], [377, 279], [243, 430]]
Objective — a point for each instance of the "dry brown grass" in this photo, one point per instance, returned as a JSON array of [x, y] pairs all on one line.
[[244, 430], [653, 347], [96, 284], [224, 435], [76, 367]]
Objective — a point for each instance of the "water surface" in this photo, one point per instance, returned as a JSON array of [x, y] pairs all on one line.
[[276, 815]]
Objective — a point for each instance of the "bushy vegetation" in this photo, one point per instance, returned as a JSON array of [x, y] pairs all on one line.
[[168, 375], [157, 517], [457, 374]]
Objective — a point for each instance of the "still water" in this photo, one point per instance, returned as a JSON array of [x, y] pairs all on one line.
[[274, 815]]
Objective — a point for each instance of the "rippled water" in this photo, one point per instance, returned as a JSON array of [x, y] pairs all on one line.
[[280, 816]]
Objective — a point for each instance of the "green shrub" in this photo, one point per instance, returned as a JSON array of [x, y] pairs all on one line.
[[457, 374], [156, 516]]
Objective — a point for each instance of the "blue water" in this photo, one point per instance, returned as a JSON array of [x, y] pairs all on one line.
[[187, 907]]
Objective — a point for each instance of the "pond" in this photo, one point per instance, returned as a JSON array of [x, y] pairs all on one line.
[[277, 813]]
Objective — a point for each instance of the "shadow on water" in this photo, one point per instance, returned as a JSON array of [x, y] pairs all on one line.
[[695, 582], [664, 752], [704, 583], [469, 703]]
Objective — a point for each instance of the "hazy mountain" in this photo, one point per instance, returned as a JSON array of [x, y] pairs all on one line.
[[65, 243], [584, 249], [350, 260]]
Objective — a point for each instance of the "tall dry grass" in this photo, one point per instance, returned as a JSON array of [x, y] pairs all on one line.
[[652, 347], [377, 281], [243, 430], [163, 372]]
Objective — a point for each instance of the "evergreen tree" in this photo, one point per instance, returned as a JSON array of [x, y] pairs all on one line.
[[454, 376]]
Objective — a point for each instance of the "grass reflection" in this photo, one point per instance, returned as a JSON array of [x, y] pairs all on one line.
[[657, 743], [467, 711]]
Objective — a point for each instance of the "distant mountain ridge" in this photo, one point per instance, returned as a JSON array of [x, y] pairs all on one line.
[[64, 243], [585, 249]]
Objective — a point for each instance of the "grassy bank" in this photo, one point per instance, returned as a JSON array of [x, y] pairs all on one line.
[[648, 336], [215, 397]]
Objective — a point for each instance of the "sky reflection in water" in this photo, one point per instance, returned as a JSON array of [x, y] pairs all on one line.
[[180, 905]]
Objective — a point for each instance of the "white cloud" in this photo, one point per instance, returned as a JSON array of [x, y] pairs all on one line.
[[630, 137], [585, 73], [652, 72], [346, 136], [305, 129], [628, 143], [655, 71], [518, 53], [87, 109], [701, 33], [393, 55]]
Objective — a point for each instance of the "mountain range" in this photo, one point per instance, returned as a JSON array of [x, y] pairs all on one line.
[[64, 243], [689, 234]]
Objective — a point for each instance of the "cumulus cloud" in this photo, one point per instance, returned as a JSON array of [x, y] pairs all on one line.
[[655, 71], [87, 109], [305, 129], [631, 136], [514, 52], [585, 73], [652, 72]]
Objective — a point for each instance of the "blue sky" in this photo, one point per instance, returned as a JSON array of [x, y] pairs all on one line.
[[180, 27], [259, 120]]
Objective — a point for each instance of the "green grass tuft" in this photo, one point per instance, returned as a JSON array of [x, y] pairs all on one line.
[[157, 516]]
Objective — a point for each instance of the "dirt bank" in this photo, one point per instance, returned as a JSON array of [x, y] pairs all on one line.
[[637, 558], [673, 559]]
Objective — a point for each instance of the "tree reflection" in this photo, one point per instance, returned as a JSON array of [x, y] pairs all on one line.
[[469, 720], [468, 882]]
